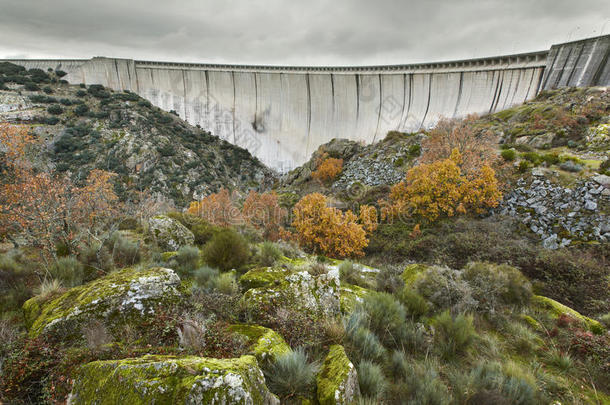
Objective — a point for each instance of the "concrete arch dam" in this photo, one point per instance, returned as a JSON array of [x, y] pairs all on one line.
[[282, 114]]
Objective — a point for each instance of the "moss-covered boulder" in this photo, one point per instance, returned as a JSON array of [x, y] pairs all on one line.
[[263, 276], [123, 297], [350, 296], [338, 379], [169, 234], [556, 309], [313, 295], [264, 343], [171, 380]]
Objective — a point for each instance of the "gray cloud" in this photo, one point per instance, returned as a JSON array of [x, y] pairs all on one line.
[[293, 32]]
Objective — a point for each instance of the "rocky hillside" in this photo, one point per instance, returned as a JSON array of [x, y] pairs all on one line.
[[152, 150]]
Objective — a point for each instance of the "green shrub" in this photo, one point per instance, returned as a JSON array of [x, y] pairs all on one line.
[[60, 73], [225, 283], [399, 365], [291, 375], [414, 303], [386, 317], [81, 110], [550, 158], [226, 250], [454, 334], [388, 279], [268, 254], [532, 157], [446, 289], [29, 86], [362, 343], [509, 154], [187, 258], [96, 258], [350, 274], [65, 101], [123, 251], [424, 385], [69, 271], [55, 109], [559, 359], [204, 277], [414, 150], [494, 286], [81, 93], [371, 380], [605, 319], [98, 91], [488, 383], [47, 90]]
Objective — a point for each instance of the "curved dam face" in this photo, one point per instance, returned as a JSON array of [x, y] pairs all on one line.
[[282, 114]]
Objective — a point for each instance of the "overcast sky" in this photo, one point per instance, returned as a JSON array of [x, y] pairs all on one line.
[[312, 32]]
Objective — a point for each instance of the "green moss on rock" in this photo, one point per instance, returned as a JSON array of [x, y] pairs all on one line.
[[555, 309], [350, 295], [165, 256], [127, 296], [264, 343], [412, 272], [171, 380], [337, 380], [263, 276]]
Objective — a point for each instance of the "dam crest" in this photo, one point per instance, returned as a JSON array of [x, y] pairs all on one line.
[[281, 114]]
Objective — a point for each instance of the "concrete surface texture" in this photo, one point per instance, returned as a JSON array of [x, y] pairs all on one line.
[[282, 114]]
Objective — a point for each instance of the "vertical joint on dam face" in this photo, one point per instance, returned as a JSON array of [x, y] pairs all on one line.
[[282, 114]]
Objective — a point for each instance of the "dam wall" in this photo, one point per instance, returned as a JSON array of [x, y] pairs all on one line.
[[282, 114]]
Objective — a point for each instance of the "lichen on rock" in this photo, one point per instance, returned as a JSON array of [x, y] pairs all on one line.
[[172, 380], [127, 296], [338, 379], [300, 291], [264, 343], [169, 234]]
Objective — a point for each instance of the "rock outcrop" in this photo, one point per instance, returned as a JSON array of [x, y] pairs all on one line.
[[122, 297], [301, 291], [338, 379], [264, 343], [169, 234], [172, 380]]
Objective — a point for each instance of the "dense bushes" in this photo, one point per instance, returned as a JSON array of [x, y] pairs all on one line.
[[574, 276], [226, 250]]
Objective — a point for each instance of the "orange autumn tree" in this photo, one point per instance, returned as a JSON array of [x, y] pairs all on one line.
[[45, 209], [441, 188], [263, 212], [328, 168], [327, 230], [218, 209]]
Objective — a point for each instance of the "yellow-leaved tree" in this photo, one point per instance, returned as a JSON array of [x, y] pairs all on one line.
[[327, 230], [441, 188], [328, 168]]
